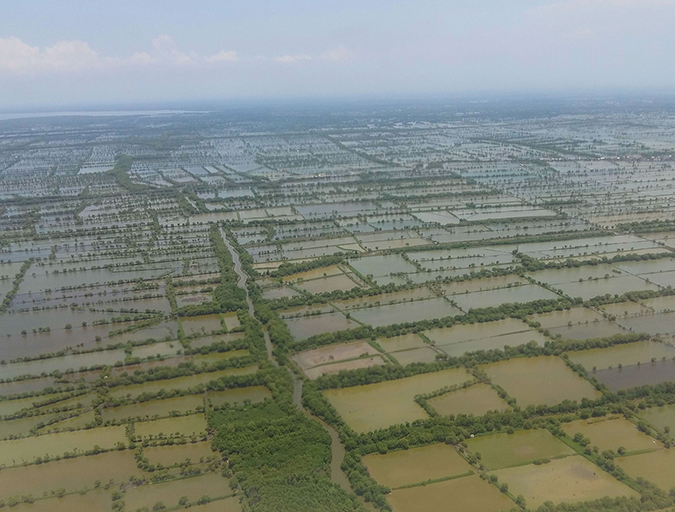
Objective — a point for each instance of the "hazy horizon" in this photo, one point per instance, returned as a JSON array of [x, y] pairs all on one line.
[[160, 53]]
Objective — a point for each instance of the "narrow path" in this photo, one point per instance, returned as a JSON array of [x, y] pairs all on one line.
[[337, 450]]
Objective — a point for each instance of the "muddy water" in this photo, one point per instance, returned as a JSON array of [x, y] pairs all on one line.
[[637, 375]]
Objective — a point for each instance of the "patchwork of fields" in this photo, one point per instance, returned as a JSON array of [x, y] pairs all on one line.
[[368, 315]]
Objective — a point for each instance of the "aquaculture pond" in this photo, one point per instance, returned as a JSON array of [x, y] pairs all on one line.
[[661, 417], [611, 434], [238, 395], [571, 479], [179, 453], [477, 400], [522, 447], [416, 465], [456, 495], [544, 380], [380, 405], [622, 355]]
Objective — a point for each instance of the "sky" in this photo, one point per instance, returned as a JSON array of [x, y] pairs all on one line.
[[103, 52]]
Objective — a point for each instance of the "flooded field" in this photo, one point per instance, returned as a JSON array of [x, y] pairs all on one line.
[[639, 375], [612, 434], [457, 495], [522, 447], [153, 408], [406, 312], [72, 475], [416, 465], [364, 362], [188, 382], [18, 451], [477, 400], [656, 467], [404, 342], [660, 417], [659, 323], [572, 479], [94, 501], [494, 298], [460, 339], [554, 381], [306, 327], [430, 270], [383, 404], [626, 354], [179, 453], [333, 353], [238, 395], [169, 493]]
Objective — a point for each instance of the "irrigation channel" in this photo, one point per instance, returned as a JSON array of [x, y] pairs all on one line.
[[337, 450]]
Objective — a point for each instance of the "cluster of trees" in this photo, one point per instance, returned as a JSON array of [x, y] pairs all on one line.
[[15, 285], [279, 457], [120, 172], [227, 295], [171, 294], [287, 269], [531, 264]]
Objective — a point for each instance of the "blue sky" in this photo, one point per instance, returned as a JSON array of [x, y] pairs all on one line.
[[98, 52]]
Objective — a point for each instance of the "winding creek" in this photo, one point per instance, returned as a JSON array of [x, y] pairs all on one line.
[[337, 450]]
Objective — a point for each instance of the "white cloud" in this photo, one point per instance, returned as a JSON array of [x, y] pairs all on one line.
[[339, 53], [291, 59], [18, 57], [223, 56], [165, 50]]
